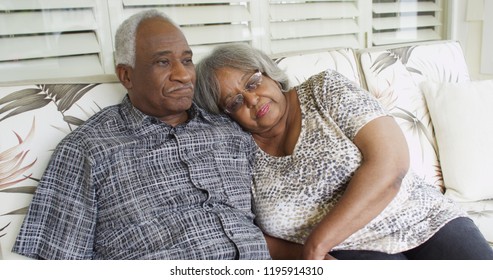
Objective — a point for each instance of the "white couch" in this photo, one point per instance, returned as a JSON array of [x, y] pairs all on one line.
[[35, 116]]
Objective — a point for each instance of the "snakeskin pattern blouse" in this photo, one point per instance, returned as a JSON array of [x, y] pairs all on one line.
[[293, 193]]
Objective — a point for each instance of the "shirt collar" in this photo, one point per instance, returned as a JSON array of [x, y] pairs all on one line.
[[136, 119]]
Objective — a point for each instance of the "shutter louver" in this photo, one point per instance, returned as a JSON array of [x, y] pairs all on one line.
[[45, 39], [310, 25], [406, 21]]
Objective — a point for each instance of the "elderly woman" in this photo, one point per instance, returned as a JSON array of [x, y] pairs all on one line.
[[331, 172]]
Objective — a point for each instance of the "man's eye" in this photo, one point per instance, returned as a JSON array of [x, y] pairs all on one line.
[[187, 61], [163, 62]]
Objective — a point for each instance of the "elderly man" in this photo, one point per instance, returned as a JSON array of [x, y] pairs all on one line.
[[154, 177]]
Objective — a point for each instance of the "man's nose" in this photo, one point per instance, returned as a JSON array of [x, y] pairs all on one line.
[[180, 72]]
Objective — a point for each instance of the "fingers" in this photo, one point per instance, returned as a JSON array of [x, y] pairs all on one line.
[[329, 257]]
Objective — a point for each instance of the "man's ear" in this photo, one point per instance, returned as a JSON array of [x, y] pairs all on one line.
[[123, 72]]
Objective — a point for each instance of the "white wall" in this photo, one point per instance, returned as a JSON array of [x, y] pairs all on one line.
[[470, 22]]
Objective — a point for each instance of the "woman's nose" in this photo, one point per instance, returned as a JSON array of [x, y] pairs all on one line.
[[250, 98]]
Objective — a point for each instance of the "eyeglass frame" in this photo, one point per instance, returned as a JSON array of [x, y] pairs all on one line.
[[239, 98]]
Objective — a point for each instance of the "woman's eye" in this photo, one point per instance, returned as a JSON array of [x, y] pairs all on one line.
[[236, 104], [254, 82], [251, 86]]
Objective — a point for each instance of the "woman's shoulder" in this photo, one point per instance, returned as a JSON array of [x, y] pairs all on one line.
[[316, 86], [321, 80], [328, 75]]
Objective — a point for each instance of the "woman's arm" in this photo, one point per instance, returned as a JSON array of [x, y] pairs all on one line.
[[372, 188]]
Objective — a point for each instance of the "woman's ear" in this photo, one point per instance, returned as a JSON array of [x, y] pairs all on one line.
[[123, 72]]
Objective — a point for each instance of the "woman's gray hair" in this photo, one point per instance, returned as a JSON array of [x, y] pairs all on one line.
[[126, 33], [238, 56]]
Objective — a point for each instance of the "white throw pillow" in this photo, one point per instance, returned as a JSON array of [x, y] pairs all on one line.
[[462, 116]]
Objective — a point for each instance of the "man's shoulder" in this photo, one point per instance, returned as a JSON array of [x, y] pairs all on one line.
[[94, 125], [216, 119], [103, 115], [223, 122]]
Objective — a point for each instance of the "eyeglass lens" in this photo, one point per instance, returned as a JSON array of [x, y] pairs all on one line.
[[251, 85]]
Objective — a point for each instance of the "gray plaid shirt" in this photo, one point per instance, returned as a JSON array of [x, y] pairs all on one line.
[[128, 186]]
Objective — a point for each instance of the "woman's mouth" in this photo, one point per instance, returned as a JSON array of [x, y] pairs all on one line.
[[264, 109]]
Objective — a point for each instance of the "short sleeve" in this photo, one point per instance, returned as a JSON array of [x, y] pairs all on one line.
[[350, 106], [61, 218]]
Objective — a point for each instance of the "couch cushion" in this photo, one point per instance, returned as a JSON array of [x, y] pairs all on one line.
[[300, 67], [463, 123], [394, 76], [33, 119]]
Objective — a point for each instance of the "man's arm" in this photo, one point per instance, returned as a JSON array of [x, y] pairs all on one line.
[[61, 218]]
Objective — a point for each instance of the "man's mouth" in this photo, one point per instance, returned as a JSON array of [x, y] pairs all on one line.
[[181, 89]]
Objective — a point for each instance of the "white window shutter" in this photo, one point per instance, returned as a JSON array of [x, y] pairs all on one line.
[[309, 25], [42, 39], [204, 23], [403, 21], [45, 39]]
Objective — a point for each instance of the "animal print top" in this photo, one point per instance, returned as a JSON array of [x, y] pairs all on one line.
[[293, 193]]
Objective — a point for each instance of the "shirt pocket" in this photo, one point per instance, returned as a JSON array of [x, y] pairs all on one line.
[[234, 168]]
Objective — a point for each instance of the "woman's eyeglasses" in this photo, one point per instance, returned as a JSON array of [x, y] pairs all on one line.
[[236, 101]]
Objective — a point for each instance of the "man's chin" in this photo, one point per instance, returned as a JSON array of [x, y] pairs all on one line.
[[182, 104]]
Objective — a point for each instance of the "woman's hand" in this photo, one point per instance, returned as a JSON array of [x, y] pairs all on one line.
[[311, 253], [329, 257], [280, 249], [285, 250]]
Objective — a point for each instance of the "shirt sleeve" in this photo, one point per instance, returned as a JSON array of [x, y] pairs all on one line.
[[350, 106], [61, 218]]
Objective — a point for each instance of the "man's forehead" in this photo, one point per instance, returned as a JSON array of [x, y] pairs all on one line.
[[156, 24], [161, 53], [163, 34]]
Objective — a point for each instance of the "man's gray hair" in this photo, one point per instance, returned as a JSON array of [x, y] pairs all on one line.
[[239, 56], [126, 35]]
